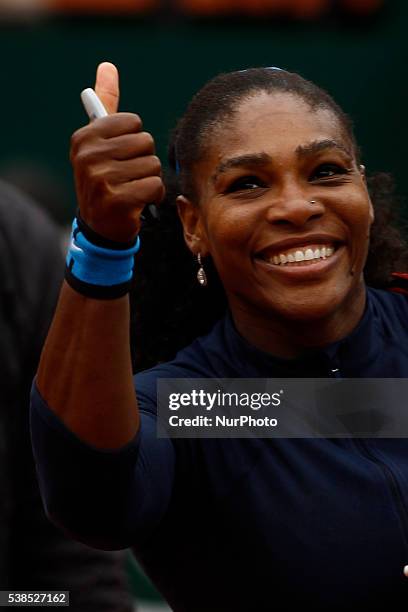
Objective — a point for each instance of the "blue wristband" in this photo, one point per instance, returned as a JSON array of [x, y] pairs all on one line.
[[98, 271]]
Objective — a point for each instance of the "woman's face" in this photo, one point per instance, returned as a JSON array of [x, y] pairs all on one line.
[[276, 252]]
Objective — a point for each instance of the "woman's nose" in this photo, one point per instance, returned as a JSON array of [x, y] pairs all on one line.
[[296, 209]]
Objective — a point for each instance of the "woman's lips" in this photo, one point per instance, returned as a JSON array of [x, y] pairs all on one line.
[[304, 270]]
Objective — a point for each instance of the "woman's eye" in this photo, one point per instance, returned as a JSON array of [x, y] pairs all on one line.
[[328, 171], [245, 183]]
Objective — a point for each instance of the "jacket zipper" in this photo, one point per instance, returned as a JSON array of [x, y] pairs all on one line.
[[393, 484], [335, 372]]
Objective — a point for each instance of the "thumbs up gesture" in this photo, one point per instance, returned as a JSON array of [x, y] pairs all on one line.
[[115, 167]]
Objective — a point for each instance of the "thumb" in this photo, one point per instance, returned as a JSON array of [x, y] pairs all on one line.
[[107, 86]]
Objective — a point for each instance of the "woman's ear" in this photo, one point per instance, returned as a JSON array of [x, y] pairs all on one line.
[[372, 213], [194, 231], [371, 210], [363, 174]]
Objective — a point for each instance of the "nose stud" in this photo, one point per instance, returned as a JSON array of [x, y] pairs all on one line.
[[312, 201]]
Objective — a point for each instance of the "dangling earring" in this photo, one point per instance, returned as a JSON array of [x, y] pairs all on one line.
[[201, 275]]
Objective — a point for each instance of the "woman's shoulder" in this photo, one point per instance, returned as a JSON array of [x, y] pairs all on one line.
[[391, 305]]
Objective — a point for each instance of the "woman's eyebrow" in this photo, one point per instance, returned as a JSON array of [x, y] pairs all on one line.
[[255, 160], [321, 145], [252, 160]]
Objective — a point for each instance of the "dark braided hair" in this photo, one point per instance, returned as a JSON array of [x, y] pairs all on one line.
[[169, 308]]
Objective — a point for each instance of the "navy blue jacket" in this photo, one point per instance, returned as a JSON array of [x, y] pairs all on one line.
[[249, 524]]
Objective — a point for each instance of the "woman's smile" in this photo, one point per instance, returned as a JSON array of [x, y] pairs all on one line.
[[309, 269]]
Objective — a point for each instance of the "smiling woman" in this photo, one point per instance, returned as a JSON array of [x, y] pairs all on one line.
[[270, 174], [268, 192]]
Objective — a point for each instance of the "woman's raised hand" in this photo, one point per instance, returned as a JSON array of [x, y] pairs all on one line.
[[116, 170]]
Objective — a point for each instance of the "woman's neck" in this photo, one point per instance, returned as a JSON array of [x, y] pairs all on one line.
[[288, 338]]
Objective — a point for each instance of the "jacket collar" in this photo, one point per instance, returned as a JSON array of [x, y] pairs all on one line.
[[350, 354]]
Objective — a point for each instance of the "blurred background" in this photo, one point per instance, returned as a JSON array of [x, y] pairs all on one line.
[[167, 49]]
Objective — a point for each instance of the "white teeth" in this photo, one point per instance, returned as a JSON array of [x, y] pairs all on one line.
[[306, 254], [309, 254]]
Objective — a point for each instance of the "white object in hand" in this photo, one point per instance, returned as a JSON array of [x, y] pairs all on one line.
[[406, 571], [92, 104], [96, 110]]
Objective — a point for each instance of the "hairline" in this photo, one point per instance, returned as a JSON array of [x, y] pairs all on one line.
[[209, 131]]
